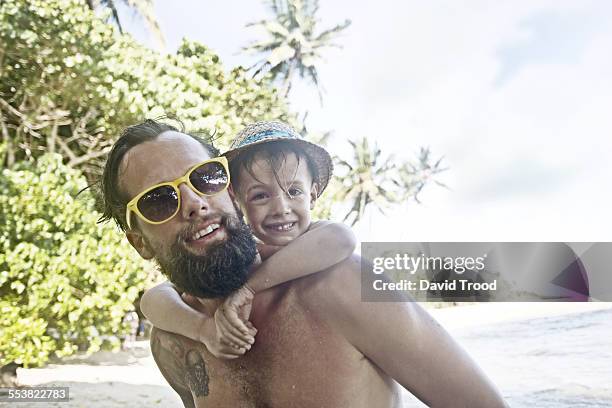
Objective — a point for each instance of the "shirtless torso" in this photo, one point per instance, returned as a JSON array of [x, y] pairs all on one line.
[[298, 360], [318, 345]]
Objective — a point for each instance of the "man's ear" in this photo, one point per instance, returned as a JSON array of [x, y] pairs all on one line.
[[231, 192], [234, 196], [139, 243], [240, 210], [313, 195]]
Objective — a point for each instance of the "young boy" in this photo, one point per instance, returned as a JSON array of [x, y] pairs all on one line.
[[276, 179]]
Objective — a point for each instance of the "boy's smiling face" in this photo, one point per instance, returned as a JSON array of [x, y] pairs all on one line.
[[278, 211]]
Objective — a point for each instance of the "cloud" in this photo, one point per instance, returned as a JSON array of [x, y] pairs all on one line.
[[552, 38], [514, 95]]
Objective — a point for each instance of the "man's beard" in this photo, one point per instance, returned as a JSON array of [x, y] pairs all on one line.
[[221, 270]]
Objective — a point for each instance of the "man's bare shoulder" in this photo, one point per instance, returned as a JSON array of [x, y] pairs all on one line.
[[180, 362], [333, 289], [401, 338], [335, 296]]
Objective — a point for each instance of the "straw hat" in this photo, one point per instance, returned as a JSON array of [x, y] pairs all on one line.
[[264, 132]]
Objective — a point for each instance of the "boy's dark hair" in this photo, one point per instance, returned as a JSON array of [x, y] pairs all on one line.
[[275, 154], [115, 200]]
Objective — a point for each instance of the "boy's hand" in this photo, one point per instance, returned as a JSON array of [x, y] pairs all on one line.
[[208, 334], [232, 319], [216, 344]]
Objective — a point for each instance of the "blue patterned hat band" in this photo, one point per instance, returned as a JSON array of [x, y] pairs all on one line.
[[265, 132]]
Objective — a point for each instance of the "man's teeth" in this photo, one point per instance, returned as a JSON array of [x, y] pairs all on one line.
[[205, 231], [282, 227]]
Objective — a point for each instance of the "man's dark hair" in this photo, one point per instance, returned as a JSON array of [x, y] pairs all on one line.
[[114, 199], [275, 154]]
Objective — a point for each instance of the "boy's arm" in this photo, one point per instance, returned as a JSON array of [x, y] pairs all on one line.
[[163, 303], [167, 310], [323, 245]]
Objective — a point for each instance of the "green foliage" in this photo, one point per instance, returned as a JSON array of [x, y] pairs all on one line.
[[65, 281], [69, 83]]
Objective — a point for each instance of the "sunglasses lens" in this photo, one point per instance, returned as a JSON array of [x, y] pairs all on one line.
[[159, 204], [209, 178]]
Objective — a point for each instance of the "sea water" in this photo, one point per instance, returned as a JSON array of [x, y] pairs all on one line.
[[554, 362]]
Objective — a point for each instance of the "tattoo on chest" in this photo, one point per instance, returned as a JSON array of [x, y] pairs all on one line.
[[196, 375]]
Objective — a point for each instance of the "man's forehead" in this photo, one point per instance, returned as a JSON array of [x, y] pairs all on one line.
[[165, 158], [175, 143]]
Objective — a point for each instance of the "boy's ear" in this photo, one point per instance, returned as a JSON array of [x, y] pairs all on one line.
[[139, 243], [313, 195]]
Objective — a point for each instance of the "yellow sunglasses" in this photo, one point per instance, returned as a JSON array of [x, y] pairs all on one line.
[[161, 202]]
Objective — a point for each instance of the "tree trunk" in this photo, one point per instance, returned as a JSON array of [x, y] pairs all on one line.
[[287, 81], [9, 156]]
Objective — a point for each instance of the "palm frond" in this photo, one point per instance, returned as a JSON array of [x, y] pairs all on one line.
[[274, 27], [331, 33], [146, 9], [111, 6], [293, 26]]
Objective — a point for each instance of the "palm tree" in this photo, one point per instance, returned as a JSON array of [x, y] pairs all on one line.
[[292, 44], [366, 180], [412, 177], [143, 7], [369, 180]]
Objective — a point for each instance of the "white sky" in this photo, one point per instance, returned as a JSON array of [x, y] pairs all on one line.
[[515, 95]]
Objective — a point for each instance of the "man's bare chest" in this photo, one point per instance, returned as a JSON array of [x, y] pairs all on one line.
[[297, 360]]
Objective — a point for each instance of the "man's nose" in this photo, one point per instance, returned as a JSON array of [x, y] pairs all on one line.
[[192, 204], [281, 204]]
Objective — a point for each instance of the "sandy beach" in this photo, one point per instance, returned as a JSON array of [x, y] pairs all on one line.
[[127, 378], [131, 379]]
